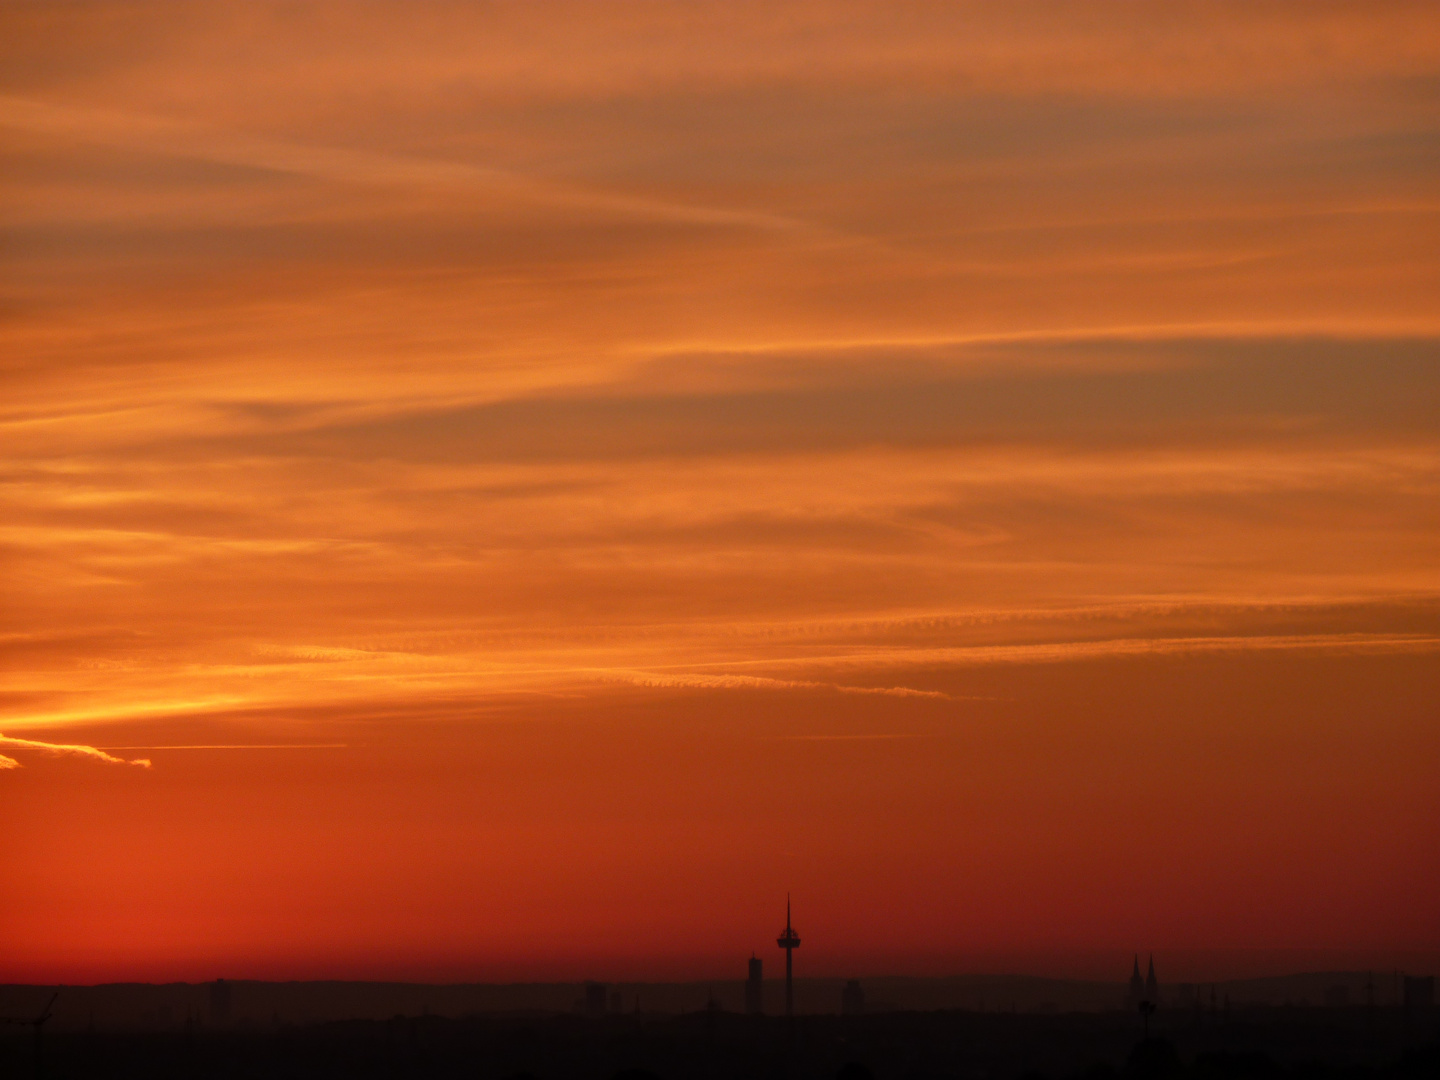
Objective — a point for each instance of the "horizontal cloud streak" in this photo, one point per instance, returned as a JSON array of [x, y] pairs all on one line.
[[1263, 389], [755, 682], [66, 750], [176, 139]]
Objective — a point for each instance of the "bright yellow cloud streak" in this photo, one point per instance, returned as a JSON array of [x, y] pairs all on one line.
[[65, 750]]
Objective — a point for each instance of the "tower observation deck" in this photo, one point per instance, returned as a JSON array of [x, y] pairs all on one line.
[[789, 940]]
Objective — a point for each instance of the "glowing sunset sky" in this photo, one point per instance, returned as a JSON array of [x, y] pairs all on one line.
[[537, 481]]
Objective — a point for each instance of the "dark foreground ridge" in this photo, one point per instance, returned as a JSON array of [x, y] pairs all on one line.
[[1250, 1042]]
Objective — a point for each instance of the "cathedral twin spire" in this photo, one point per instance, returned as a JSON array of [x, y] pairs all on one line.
[[1146, 989]]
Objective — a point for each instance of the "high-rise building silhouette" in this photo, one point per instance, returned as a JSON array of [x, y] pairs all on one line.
[[1419, 994], [755, 987], [219, 1002], [595, 997], [789, 941]]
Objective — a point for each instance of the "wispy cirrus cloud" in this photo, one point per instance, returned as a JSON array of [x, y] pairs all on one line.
[[89, 753], [162, 136], [758, 682]]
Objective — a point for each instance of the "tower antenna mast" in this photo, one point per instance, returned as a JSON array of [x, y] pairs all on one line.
[[789, 941]]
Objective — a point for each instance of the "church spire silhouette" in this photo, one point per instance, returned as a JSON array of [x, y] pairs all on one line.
[[1137, 984]]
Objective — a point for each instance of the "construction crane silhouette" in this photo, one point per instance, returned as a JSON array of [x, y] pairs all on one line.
[[38, 1026]]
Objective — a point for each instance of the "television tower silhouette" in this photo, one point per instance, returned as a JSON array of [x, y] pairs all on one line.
[[789, 941]]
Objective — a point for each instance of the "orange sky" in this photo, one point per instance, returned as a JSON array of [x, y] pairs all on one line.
[[589, 468]]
